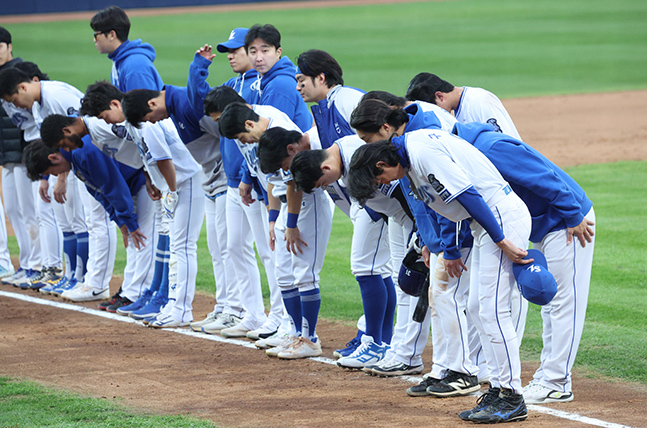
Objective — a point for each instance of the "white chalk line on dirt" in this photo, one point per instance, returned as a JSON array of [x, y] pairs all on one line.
[[215, 338]]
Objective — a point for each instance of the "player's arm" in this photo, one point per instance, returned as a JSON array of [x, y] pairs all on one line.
[[293, 239], [197, 86], [245, 186], [274, 207]]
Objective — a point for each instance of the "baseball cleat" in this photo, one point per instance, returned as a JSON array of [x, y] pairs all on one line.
[[420, 390], [367, 353], [302, 347], [507, 407], [394, 368], [454, 384], [535, 393]]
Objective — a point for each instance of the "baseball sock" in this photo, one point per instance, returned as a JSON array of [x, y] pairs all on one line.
[[310, 304], [387, 326], [160, 261], [69, 251], [292, 303], [82, 249], [374, 301]]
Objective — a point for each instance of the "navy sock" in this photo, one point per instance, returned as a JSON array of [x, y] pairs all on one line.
[[69, 250], [160, 254], [82, 249], [389, 314], [374, 301], [310, 304], [292, 302]]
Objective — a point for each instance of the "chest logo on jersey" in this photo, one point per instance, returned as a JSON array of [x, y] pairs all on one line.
[[72, 111], [435, 184], [492, 121], [119, 131]]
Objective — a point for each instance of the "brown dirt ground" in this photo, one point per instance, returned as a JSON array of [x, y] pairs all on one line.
[[236, 386]]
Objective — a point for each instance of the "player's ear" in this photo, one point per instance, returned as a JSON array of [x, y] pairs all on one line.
[[116, 104], [152, 103], [439, 96], [279, 51], [67, 131], [249, 125], [321, 79], [22, 87]]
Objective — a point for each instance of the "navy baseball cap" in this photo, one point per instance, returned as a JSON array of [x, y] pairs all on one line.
[[236, 40], [536, 284], [413, 274]]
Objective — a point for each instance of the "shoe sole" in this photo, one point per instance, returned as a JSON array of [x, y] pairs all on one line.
[[496, 421], [455, 393], [549, 400], [411, 393], [294, 357]]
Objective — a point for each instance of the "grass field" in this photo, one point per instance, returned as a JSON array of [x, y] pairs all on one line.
[[514, 48]]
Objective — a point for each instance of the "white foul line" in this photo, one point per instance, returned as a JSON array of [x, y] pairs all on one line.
[[217, 338]]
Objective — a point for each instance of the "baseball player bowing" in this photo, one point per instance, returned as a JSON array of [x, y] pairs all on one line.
[[459, 182], [563, 224]]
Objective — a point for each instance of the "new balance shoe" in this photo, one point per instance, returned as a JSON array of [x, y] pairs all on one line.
[[273, 341], [535, 393], [167, 321], [283, 346], [491, 395], [350, 346], [262, 332], [455, 384], [50, 275], [32, 276], [151, 309], [302, 347], [137, 304], [85, 293], [16, 276], [6, 271], [112, 301], [509, 407], [211, 317], [239, 330], [392, 367], [122, 301], [223, 322], [420, 390], [367, 353], [68, 285]]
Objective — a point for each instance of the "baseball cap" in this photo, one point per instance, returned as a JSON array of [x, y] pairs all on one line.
[[536, 283], [236, 40], [413, 274]]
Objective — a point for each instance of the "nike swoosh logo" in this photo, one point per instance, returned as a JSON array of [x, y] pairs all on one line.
[[94, 293]]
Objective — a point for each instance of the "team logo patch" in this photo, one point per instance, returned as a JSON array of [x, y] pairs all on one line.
[[445, 195], [492, 121], [385, 189], [119, 131], [72, 111], [435, 184]]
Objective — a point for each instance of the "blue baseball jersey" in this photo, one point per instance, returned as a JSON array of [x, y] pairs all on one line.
[[332, 114], [111, 183], [554, 199]]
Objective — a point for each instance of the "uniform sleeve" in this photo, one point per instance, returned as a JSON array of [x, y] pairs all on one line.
[[197, 86], [475, 205], [114, 188], [537, 176], [153, 137]]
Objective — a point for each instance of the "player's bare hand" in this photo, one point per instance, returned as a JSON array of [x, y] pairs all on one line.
[[206, 52], [272, 236], [245, 192], [60, 188], [153, 191], [426, 255], [583, 231], [43, 191], [124, 234], [293, 240], [138, 239], [454, 268], [513, 252]]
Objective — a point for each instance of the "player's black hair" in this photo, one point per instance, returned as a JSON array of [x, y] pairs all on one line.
[[306, 168], [97, 98], [51, 130], [371, 114], [112, 18], [423, 87], [35, 158], [5, 36], [272, 148], [135, 105], [387, 97], [268, 33], [10, 79], [32, 70], [314, 62], [363, 172], [233, 118], [219, 98]]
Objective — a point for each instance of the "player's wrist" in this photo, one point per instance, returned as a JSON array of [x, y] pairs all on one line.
[[292, 220]]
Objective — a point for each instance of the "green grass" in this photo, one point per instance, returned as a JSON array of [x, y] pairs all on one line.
[[514, 48], [26, 404]]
